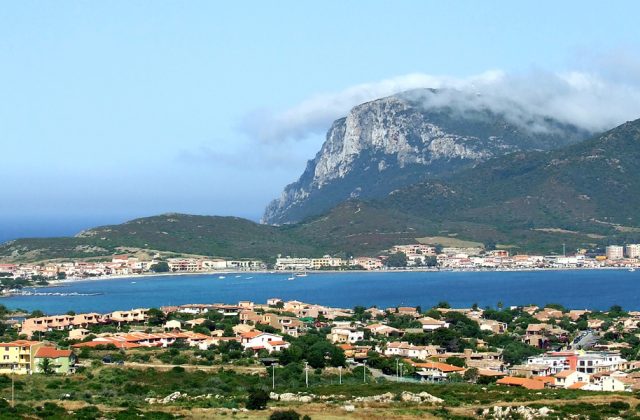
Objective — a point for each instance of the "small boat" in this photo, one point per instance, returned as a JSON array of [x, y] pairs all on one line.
[[133, 282], [221, 277], [303, 274], [291, 278], [631, 270]]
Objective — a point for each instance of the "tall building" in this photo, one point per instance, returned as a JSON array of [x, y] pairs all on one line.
[[633, 251], [615, 252]]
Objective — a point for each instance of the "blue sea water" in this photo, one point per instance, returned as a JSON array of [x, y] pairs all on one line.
[[578, 289]]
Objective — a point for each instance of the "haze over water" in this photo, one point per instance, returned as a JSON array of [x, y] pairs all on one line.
[[577, 289]]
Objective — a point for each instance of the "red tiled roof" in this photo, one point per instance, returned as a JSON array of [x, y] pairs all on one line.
[[577, 385], [444, 367], [523, 382], [52, 353]]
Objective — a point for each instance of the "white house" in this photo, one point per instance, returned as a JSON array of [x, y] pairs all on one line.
[[257, 340]]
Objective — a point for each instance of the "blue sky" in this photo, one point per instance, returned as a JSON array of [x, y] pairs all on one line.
[[115, 110]]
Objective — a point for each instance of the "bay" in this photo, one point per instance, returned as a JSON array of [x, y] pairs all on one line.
[[576, 289]]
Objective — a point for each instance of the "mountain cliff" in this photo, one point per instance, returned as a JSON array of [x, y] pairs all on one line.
[[389, 143]]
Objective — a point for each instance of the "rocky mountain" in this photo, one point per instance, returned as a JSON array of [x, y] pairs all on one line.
[[585, 195], [389, 143]]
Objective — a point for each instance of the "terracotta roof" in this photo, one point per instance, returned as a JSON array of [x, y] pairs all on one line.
[[564, 373], [52, 353], [523, 382], [577, 385], [251, 334], [277, 343], [444, 367]]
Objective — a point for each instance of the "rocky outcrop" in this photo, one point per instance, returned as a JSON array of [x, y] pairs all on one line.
[[396, 141]]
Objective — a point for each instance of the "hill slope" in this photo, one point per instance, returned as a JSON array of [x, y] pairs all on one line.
[[584, 194], [230, 237], [393, 142]]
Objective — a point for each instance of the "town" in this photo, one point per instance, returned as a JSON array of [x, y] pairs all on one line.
[[407, 257], [286, 342]]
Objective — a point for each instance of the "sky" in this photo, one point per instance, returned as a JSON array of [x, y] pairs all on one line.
[[115, 110]]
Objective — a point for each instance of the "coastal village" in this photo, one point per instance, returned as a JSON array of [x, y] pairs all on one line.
[[414, 256], [527, 347]]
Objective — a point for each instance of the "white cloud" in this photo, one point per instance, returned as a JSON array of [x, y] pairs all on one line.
[[588, 100]]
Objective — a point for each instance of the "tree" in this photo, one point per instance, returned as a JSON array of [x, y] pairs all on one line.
[[156, 316], [257, 399], [471, 375], [430, 261], [46, 367], [398, 259], [455, 361], [160, 267]]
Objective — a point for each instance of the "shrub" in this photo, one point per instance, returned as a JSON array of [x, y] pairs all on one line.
[[284, 415], [257, 399], [619, 405]]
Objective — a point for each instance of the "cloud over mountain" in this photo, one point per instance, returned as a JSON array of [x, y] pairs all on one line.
[[590, 100]]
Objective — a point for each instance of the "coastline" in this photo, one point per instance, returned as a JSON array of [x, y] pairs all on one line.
[[65, 282]]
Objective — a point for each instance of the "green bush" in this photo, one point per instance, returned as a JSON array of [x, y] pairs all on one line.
[[284, 415], [258, 399]]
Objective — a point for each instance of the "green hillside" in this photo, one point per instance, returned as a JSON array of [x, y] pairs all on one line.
[[229, 237], [585, 194]]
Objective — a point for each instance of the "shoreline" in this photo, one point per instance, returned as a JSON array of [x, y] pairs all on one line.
[[64, 282]]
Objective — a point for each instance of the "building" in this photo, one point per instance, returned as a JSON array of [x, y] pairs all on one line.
[[341, 335], [19, 356], [434, 371], [633, 250], [614, 252], [60, 361], [293, 264], [257, 340]]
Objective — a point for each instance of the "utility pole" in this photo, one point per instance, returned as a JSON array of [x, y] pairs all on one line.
[[340, 373], [13, 402], [273, 376], [306, 374], [364, 371]]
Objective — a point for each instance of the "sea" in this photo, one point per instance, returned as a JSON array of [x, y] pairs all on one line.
[[574, 289]]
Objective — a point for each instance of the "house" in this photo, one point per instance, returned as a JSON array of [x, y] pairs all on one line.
[[404, 349], [78, 334], [530, 370], [492, 325], [434, 371], [385, 330], [257, 340], [431, 324], [60, 361], [345, 335], [174, 324], [19, 356], [567, 378], [606, 381]]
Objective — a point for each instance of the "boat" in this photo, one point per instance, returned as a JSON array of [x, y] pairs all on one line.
[[221, 277], [303, 274], [133, 282], [631, 270], [238, 276]]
